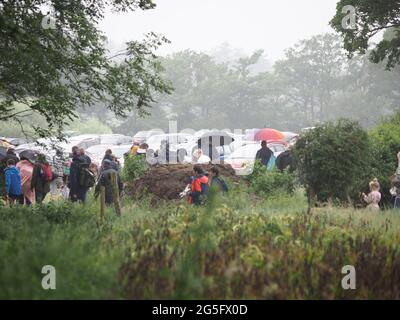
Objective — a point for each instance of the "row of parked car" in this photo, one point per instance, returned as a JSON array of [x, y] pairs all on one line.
[[238, 150]]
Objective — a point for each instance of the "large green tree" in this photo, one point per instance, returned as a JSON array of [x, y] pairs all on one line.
[[371, 17], [54, 64]]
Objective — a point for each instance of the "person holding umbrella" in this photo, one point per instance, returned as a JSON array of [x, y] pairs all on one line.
[[25, 167], [10, 155]]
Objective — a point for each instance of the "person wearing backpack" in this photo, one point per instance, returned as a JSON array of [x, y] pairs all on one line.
[[217, 182], [105, 180], [80, 178], [41, 177], [199, 187]]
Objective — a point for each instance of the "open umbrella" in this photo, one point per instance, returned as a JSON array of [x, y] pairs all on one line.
[[4, 143], [269, 135], [3, 152], [31, 155]]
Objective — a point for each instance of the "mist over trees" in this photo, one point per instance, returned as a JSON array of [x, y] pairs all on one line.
[[313, 83]]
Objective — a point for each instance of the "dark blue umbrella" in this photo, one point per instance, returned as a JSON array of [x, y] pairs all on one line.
[[30, 155]]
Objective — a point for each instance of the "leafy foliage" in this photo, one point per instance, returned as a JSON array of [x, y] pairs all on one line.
[[332, 160], [236, 248], [134, 168], [313, 83], [54, 71], [372, 16], [269, 183], [385, 145]]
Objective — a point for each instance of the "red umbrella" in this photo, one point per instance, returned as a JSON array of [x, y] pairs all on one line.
[[268, 135]]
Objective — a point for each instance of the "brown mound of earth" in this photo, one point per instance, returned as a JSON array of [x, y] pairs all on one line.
[[167, 181]]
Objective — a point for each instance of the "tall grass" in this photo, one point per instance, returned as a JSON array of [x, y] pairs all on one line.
[[239, 246]]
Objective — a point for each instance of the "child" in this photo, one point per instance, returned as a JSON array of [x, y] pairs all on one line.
[[13, 183], [374, 197], [64, 188]]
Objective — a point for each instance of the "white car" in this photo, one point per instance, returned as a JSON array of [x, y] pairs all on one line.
[[115, 139], [174, 140], [143, 136], [242, 160], [97, 152]]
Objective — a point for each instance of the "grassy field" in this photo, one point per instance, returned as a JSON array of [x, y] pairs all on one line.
[[240, 247]]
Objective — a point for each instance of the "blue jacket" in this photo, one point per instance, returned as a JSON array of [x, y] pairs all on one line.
[[13, 181]]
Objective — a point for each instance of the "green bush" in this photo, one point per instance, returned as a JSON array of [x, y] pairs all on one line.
[[134, 168], [266, 182], [385, 144], [333, 161]]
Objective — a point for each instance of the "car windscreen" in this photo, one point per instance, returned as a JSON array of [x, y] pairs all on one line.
[[246, 152]]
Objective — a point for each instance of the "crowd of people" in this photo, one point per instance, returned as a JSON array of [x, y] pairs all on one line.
[[30, 178]]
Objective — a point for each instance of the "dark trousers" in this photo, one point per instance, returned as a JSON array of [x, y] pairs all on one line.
[[16, 199], [40, 196], [397, 202], [79, 194]]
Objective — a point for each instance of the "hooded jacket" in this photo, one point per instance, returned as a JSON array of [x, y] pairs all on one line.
[[199, 190], [13, 181]]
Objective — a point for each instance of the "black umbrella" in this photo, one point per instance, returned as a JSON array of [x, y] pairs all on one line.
[[3, 153], [209, 142], [31, 155]]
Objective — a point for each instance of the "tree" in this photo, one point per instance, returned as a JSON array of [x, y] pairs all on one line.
[[372, 16], [385, 144], [332, 161], [55, 64], [312, 70]]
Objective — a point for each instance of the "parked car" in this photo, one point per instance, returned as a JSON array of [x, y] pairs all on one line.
[[115, 139], [97, 152], [143, 136], [14, 141], [242, 160], [174, 139], [220, 139], [82, 141]]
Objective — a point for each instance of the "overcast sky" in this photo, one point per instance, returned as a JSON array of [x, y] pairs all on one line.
[[201, 25]]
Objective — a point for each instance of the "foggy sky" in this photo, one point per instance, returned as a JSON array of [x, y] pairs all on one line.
[[201, 25]]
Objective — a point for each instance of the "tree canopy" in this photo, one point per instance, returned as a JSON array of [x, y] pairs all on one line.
[[315, 82], [371, 17], [55, 63]]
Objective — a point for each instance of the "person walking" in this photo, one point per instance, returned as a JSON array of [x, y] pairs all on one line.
[[217, 182], [199, 187], [79, 162], [264, 154], [13, 183], [10, 155], [106, 181], [58, 172], [41, 178], [25, 168]]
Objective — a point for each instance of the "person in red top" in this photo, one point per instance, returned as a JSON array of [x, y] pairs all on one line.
[[199, 188]]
